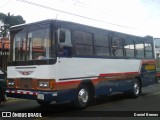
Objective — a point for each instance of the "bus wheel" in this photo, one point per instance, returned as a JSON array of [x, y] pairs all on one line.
[[43, 103], [82, 97], [136, 90]]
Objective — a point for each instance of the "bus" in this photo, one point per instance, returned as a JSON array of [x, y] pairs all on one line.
[[55, 61]]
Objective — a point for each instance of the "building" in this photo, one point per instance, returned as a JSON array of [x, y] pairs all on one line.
[[4, 52], [157, 47], [1, 27]]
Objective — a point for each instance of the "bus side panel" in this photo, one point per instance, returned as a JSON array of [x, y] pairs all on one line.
[[112, 86], [77, 68], [107, 75]]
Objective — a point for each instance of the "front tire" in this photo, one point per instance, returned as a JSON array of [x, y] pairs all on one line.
[[82, 97]]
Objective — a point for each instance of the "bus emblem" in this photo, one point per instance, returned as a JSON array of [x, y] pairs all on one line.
[[25, 72]]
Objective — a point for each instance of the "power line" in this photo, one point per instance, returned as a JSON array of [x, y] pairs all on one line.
[[86, 6], [79, 2], [58, 10]]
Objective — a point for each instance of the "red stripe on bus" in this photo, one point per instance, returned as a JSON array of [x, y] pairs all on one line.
[[116, 74], [149, 61], [69, 82]]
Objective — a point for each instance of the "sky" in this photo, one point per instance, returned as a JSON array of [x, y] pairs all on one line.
[[137, 17]]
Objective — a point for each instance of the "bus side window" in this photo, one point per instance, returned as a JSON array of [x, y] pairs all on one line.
[[139, 48], [62, 37], [65, 44], [65, 51], [117, 47]]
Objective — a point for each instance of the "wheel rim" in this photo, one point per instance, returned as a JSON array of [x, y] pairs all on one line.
[[136, 88], [83, 96]]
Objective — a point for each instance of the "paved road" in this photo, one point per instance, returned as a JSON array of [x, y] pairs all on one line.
[[119, 104]]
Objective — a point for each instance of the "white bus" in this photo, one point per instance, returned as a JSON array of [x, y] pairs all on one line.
[[59, 61]]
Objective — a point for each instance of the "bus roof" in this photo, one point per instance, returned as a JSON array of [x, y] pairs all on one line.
[[73, 24], [30, 24]]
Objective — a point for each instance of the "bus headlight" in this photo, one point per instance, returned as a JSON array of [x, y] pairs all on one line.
[[43, 84], [11, 83], [46, 84]]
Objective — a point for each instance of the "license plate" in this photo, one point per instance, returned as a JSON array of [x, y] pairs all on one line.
[[40, 96]]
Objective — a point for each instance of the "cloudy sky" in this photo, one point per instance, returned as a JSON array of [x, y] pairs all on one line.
[[138, 17]]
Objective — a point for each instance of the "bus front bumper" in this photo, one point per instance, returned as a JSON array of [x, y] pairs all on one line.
[[53, 96]]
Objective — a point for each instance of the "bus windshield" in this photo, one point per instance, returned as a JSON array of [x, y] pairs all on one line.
[[33, 44]]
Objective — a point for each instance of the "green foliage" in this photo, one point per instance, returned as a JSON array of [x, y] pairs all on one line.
[[10, 20]]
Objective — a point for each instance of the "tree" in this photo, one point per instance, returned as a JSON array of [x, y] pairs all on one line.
[[9, 20]]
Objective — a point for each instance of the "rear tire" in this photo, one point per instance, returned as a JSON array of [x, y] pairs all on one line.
[[136, 90], [83, 97]]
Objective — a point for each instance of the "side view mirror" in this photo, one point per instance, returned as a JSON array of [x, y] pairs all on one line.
[[62, 36]]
